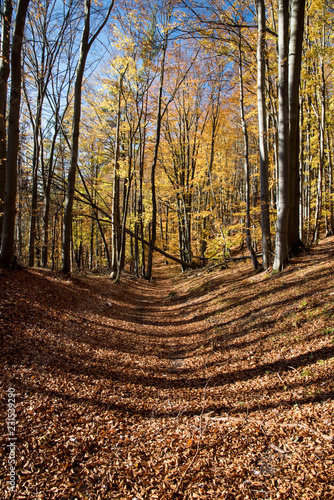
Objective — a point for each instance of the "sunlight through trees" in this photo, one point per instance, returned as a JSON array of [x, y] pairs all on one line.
[[196, 130]]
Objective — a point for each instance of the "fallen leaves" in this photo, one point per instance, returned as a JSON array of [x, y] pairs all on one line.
[[223, 390]]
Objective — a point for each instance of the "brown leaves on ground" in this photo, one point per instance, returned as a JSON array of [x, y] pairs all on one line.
[[209, 385]]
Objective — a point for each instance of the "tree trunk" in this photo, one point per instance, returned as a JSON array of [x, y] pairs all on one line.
[[67, 228], [36, 152], [4, 74], [281, 244], [7, 248], [246, 162], [264, 197], [322, 127], [295, 56], [115, 218], [47, 179], [322, 124], [330, 187], [155, 161], [301, 175], [84, 49]]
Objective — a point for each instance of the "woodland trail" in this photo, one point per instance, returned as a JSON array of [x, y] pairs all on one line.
[[207, 385]]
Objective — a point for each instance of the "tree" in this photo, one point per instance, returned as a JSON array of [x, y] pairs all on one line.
[[289, 78], [297, 11], [86, 44], [246, 156], [262, 119], [7, 247], [155, 157], [6, 19], [43, 51]]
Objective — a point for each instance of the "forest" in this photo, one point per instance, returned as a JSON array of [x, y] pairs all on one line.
[[195, 129], [166, 250]]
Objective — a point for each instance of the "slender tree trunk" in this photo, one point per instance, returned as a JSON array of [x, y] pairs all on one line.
[[264, 197], [301, 176], [121, 256], [48, 176], [105, 244], [115, 219], [322, 130], [46, 218], [35, 160], [19, 217], [140, 229], [330, 186], [322, 124], [67, 228], [6, 20], [246, 161], [281, 245], [154, 163], [295, 55], [84, 49], [7, 248]]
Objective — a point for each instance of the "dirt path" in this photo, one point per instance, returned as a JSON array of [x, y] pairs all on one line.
[[210, 385]]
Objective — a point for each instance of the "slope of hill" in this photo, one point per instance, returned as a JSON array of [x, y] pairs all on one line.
[[206, 385]]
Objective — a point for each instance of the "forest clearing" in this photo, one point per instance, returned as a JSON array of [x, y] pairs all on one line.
[[210, 384]]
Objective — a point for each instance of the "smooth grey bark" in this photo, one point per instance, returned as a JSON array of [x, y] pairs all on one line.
[[262, 118], [115, 216], [139, 227], [322, 125], [85, 46], [47, 175], [8, 231], [246, 159], [215, 121], [321, 115], [330, 228], [67, 227], [301, 174], [281, 243], [297, 11], [36, 124], [155, 161], [6, 20]]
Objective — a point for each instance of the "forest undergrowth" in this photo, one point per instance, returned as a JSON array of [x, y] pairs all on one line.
[[213, 384]]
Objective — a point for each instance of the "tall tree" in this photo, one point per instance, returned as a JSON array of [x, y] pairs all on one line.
[[288, 86], [44, 49], [281, 245], [155, 159], [6, 20], [116, 217], [297, 10], [245, 155], [262, 118], [85, 46], [7, 247]]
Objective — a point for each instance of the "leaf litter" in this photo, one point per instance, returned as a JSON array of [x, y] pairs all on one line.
[[207, 385]]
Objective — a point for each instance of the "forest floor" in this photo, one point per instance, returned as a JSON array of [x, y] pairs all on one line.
[[208, 385]]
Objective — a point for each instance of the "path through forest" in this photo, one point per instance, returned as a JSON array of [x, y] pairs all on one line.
[[214, 384]]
